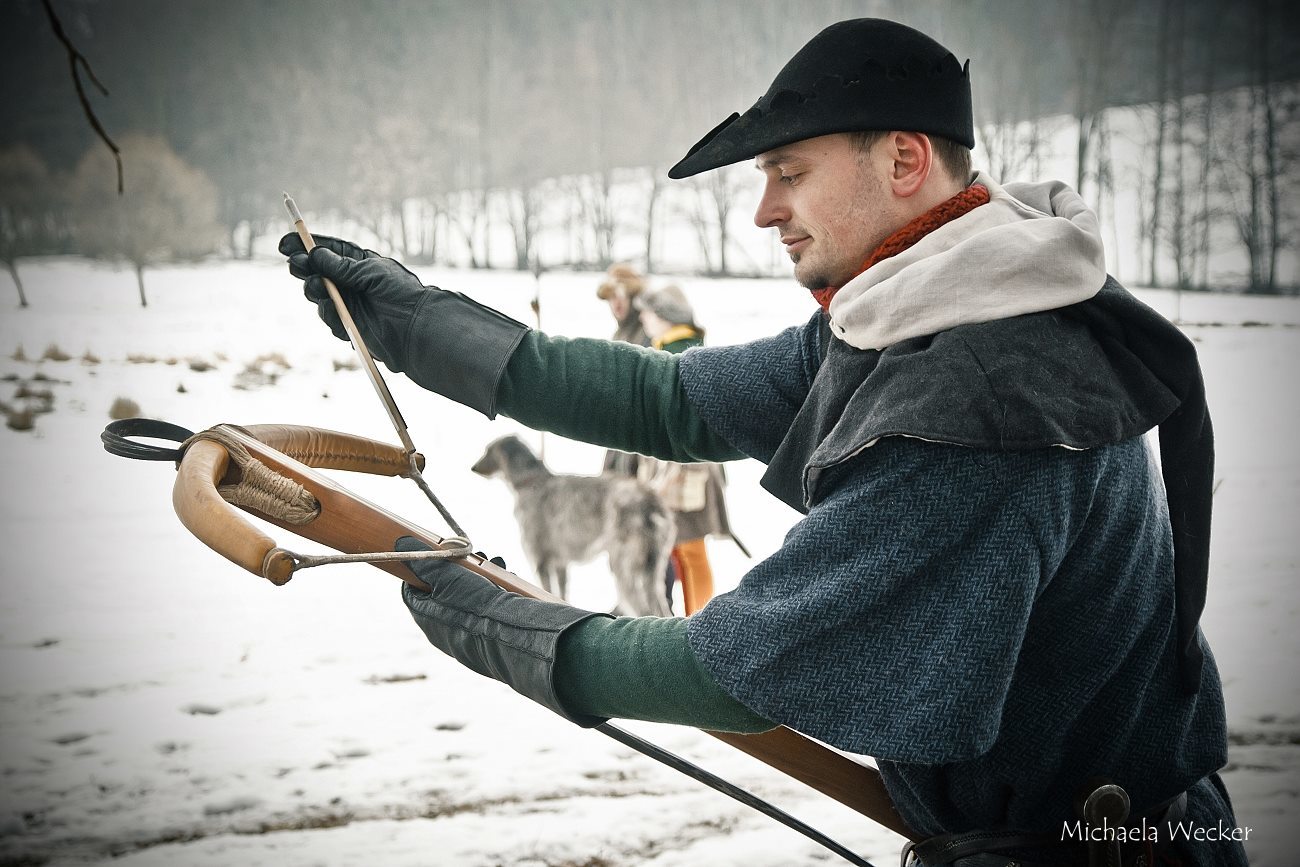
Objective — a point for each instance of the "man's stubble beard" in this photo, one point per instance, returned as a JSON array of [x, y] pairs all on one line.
[[827, 266], [818, 276], [832, 263], [807, 279]]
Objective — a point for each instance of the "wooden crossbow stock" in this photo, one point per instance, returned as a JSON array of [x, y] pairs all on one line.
[[215, 469]]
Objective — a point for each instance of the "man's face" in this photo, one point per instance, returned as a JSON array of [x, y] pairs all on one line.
[[831, 205], [619, 305], [653, 324]]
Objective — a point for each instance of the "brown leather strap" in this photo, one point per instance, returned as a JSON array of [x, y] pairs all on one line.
[[332, 450]]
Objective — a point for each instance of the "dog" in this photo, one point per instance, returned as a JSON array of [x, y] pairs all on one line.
[[566, 519]]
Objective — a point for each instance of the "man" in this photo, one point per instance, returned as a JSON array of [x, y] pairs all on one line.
[[620, 289], [991, 592]]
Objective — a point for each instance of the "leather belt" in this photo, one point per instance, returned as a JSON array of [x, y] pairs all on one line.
[[985, 848]]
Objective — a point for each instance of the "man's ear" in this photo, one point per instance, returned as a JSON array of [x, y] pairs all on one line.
[[912, 159]]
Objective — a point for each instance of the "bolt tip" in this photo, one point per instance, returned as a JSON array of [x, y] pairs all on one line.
[[292, 207]]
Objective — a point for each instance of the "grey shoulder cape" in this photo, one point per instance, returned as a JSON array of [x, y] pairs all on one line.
[[1091, 374]]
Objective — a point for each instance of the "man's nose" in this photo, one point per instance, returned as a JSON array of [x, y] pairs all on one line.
[[772, 208]]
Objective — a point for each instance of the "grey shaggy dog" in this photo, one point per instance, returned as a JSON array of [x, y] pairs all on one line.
[[566, 519]]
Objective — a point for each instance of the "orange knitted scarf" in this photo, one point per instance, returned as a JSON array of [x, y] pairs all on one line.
[[944, 212]]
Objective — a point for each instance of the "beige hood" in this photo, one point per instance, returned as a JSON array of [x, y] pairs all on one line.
[[1032, 247]]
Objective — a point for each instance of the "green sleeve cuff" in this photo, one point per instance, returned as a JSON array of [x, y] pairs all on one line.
[[642, 668], [612, 394]]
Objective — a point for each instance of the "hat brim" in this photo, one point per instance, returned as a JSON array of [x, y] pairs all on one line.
[[744, 136]]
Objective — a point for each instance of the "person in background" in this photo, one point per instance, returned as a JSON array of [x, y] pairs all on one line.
[[693, 491], [619, 289]]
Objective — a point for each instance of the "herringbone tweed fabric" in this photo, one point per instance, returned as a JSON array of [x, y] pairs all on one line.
[[994, 627]]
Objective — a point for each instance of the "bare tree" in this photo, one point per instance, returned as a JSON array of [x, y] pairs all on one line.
[[1093, 27], [1105, 178], [27, 206], [466, 212], [389, 161], [1204, 214], [654, 182], [1247, 177], [77, 64], [1178, 239], [1153, 230], [1008, 104], [167, 215], [524, 212], [594, 195], [1014, 148], [709, 210], [1255, 164], [430, 220], [1271, 166]]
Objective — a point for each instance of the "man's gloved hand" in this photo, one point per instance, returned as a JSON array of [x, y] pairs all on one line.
[[380, 294], [497, 633], [442, 340]]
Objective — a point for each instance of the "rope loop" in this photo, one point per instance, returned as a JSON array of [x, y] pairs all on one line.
[[256, 486]]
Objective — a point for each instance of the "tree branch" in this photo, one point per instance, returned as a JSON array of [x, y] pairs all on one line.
[[76, 63]]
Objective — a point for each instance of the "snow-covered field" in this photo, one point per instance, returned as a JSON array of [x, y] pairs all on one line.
[[160, 706]]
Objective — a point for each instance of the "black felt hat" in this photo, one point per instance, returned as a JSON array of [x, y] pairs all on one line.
[[864, 74]]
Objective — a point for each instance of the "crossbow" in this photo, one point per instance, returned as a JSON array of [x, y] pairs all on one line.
[[270, 471]]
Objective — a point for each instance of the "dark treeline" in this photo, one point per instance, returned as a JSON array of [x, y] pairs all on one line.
[[426, 119]]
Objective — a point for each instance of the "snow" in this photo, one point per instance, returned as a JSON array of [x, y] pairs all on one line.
[[160, 706]]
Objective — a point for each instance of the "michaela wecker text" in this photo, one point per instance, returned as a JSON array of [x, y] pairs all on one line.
[[1145, 833]]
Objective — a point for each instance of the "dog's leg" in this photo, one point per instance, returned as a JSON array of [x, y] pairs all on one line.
[[543, 570], [560, 576], [638, 575], [638, 554]]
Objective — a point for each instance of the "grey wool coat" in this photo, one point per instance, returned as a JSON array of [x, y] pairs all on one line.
[[991, 615]]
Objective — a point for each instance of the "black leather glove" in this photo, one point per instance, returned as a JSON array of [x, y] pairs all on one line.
[[380, 294], [444, 341], [497, 633]]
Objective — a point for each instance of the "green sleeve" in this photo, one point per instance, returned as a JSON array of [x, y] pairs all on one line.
[[643, 668], [612, 394]]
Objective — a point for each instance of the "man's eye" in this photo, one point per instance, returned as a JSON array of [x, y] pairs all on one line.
[[789, 179]]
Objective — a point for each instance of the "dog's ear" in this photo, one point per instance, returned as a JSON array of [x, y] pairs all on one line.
[[513, 445], [517, 455]]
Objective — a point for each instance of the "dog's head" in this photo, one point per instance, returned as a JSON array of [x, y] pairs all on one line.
[[505, 457]]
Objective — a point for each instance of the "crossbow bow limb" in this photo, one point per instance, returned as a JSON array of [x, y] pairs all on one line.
[[270, 471]]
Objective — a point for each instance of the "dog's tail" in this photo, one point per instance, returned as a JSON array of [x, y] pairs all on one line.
[[641, 562]]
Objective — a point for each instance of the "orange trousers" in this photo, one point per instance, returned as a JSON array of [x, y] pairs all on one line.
[[691, 561]]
